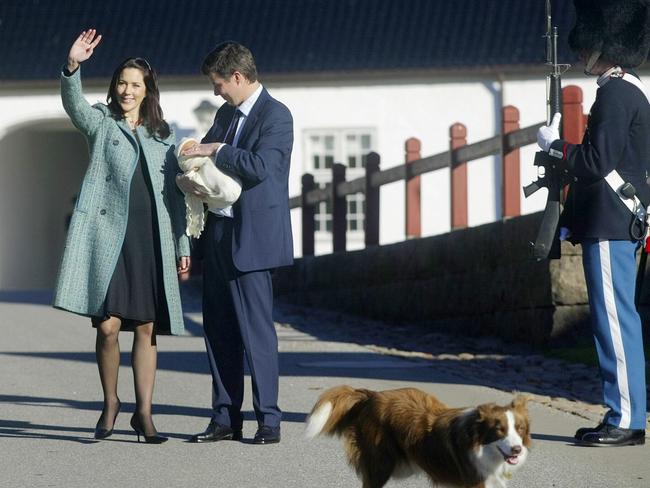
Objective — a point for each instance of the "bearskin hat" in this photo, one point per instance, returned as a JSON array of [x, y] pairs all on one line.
[[619, 29]]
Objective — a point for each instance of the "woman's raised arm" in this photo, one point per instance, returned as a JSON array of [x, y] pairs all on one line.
[[82, 48], [86, 118]]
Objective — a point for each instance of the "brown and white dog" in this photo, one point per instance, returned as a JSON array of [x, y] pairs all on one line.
[[397, 433]]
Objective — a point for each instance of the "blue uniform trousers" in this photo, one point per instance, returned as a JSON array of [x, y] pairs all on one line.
[[610, 271]]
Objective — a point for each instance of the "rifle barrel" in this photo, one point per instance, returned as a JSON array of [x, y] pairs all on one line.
[[549, 47]]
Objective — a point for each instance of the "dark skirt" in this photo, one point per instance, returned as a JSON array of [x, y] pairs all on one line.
[[136, 291]]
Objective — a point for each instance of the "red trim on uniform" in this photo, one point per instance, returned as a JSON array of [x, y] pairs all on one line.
[[564, 150]]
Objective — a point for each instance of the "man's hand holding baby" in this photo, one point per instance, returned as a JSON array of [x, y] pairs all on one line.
[[194, 149]]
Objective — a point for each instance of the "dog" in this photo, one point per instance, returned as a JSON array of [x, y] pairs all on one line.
[[396, 433]]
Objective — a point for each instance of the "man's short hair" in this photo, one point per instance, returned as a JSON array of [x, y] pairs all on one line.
[[229, 57]]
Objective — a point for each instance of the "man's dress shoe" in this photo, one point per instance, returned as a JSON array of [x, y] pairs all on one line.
[[608, 435], [586, 430], [267, 435], [217, 432]]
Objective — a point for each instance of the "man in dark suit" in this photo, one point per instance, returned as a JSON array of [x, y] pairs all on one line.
[[252, 138]]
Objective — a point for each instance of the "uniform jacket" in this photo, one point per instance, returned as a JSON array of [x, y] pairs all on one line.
[[262, 236], [617, 137], [99, 219]]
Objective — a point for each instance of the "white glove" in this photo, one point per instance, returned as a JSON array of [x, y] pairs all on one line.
[[547, 134]]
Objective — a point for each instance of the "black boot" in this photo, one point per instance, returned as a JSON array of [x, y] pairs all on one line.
[[608, 435]]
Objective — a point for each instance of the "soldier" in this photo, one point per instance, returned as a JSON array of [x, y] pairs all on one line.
[[610, 37]]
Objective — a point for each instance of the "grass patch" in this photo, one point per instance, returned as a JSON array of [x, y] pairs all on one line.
[[583, 352]]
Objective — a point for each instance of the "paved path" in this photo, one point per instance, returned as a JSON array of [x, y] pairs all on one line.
[[50, 400]]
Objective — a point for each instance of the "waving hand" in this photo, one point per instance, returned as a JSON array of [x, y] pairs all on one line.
[[83, 48]]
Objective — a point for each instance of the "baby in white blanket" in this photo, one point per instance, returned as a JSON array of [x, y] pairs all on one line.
[[222, 190]]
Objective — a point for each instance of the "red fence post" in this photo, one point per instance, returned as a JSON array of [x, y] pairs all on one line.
[[308, 211], [458, 138], [339, 209], [574, 121], [412, 204], [371, 218], [511, 186]]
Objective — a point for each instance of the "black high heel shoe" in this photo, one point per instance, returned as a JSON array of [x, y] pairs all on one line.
[[136, 425], [100, 432]]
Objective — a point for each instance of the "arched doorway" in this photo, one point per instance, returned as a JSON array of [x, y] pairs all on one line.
[[41, 168]]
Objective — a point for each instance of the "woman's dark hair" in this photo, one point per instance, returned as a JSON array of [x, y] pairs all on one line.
[[150, 111], [229, 57]]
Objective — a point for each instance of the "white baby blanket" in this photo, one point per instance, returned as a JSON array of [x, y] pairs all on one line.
[[223, 190]]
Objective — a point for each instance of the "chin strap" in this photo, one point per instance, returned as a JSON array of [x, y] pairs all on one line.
[[593, 58]]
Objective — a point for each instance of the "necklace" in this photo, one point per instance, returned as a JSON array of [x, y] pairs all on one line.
[[133, 124]]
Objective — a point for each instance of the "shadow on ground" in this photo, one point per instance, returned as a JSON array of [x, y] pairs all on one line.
[[480, 361], [83, 435], [301, 364]]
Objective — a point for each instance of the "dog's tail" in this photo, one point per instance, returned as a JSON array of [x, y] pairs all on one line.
[[334, 409]]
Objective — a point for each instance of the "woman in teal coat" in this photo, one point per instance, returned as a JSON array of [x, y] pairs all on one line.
[[126, 243]]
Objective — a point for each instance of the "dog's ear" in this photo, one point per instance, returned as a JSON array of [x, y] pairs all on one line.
[[475, 426], [522, 423], [484, 411], [491, 423], [520, 401]]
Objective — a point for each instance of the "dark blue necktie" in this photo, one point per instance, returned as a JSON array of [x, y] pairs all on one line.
[[232, 130]]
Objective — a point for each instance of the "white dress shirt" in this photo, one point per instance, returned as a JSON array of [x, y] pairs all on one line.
[[245, 109]]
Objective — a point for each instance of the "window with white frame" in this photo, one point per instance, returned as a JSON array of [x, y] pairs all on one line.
[[350, 147]]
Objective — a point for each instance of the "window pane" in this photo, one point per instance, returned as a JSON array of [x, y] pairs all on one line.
[[323, 150], [365, 141]]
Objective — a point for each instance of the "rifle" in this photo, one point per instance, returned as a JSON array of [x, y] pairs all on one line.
[[547, 243]]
